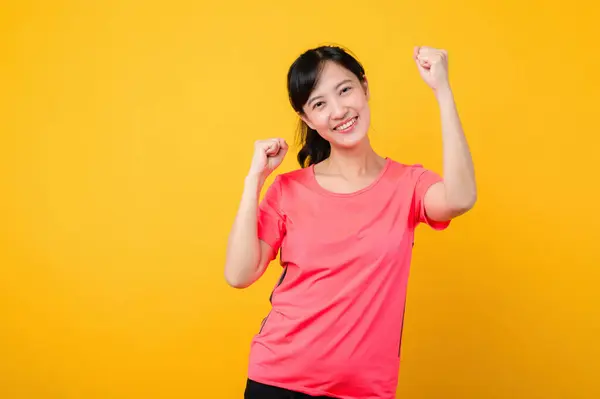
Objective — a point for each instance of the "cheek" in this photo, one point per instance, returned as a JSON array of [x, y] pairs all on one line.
[[321, 121], [361, 102], [364, 110]]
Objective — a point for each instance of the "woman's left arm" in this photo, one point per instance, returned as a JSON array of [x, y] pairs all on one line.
[[457, 193]]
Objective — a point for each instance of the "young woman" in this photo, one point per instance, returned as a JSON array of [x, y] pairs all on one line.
[[344, 226]]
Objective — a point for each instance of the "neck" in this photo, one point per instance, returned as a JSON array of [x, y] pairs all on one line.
[[356, 161]]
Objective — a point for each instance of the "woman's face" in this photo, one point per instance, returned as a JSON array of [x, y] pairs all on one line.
[[338, 108]]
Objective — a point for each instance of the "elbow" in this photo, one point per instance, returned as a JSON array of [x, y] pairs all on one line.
[[235, 282], [469, 203], [463, 205], [241, 271]]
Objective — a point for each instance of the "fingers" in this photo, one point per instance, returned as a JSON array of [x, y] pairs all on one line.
[[423, 63], [425, 57], [426, 52], [282, 144], [271, 147]]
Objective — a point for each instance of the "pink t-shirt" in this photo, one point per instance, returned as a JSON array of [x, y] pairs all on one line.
[[335, 327]]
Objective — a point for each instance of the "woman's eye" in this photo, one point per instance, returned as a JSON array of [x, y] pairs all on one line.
[[318, 104], [346, 89]]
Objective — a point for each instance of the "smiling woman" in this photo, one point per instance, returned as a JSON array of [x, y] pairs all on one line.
[[328, 88], [345, 224]]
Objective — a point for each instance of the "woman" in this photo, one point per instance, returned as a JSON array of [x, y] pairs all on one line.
[[344, 223]]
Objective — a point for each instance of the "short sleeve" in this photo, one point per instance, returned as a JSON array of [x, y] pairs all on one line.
[[271, 220], [425, 180]]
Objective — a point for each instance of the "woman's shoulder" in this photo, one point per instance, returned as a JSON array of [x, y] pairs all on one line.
[[398, 168], [288, 186], [293, 176]]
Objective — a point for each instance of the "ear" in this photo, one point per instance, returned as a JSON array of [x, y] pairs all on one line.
[[365, 86], [307, 121]]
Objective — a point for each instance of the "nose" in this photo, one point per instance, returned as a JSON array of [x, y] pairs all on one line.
[[338, 110]]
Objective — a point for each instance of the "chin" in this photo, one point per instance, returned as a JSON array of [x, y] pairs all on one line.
[[348, 142]]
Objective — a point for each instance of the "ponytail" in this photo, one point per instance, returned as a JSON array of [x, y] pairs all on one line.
[[314, 147]]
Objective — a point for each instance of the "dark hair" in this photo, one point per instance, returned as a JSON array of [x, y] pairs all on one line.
[[302, 78]]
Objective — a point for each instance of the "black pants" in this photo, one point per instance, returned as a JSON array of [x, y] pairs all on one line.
[[256, 390]]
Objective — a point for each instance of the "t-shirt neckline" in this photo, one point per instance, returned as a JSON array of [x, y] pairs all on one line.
[[323, 190]]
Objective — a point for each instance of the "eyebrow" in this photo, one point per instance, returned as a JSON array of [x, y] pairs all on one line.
[[310, 100]]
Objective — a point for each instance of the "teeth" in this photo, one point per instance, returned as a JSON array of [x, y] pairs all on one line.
[[346, 125]]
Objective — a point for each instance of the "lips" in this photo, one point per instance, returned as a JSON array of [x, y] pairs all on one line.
[[346, 125]]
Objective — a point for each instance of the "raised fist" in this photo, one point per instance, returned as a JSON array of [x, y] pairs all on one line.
[[268, 155], [433, 66]]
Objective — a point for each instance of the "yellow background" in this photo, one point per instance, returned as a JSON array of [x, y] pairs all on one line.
[[126, 132]]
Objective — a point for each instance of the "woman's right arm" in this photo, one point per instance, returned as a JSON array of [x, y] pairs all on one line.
[[247, 256]]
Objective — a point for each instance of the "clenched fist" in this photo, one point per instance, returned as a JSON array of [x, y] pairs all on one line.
[[433, 66], [268, 155]]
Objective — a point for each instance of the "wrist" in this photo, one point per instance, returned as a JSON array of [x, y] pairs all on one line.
[[254, 180], [444, 92]]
